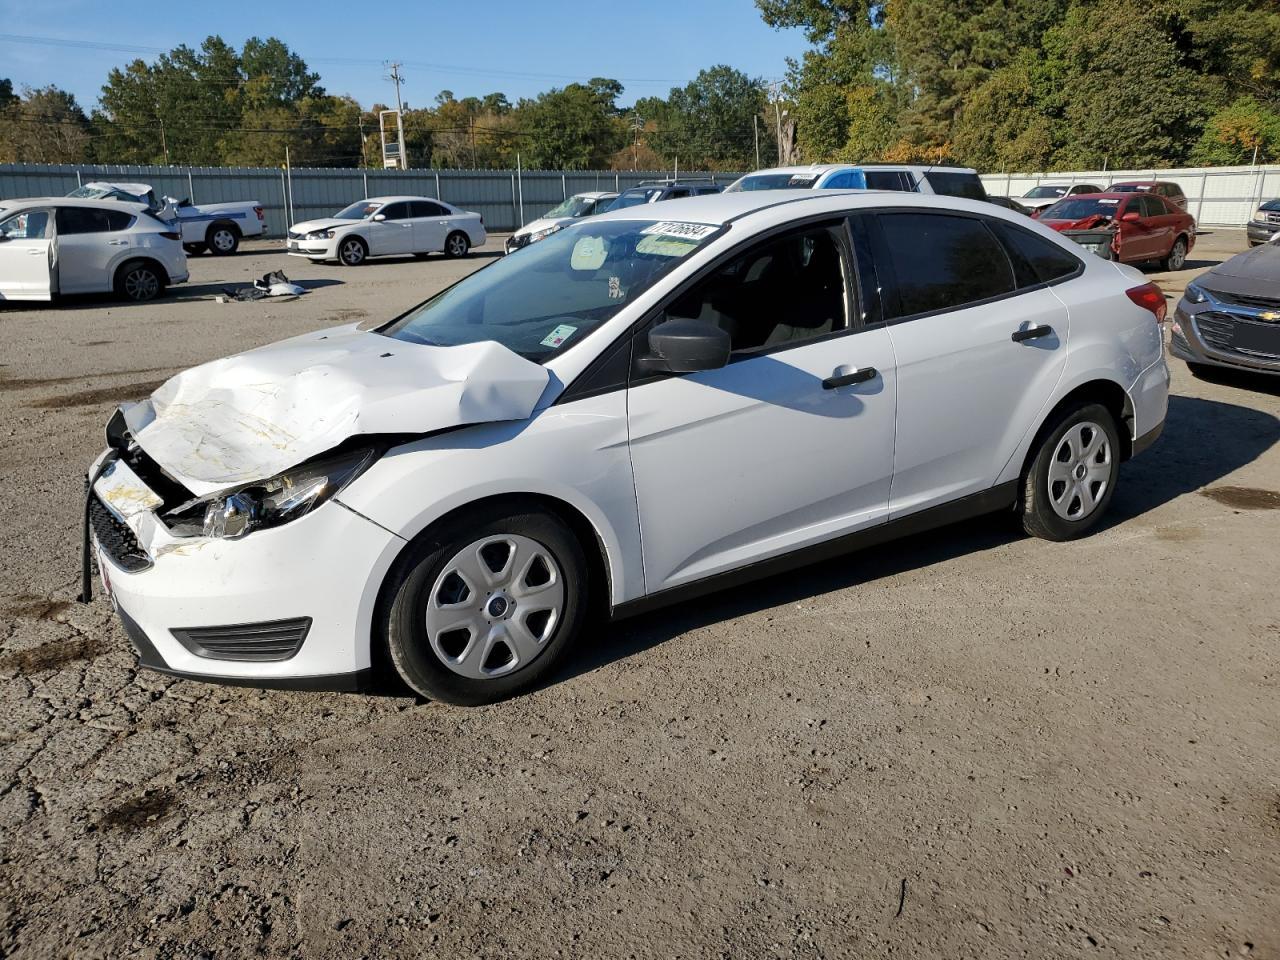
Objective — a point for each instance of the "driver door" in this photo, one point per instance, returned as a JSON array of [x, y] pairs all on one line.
[[781, 448], [394, 234], [26, 272]]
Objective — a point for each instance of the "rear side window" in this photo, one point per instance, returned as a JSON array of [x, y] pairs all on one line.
[[424, 208], [676, 195], [886, 180], [73, 220], [943, 262], [1035, 259], [952, 184]]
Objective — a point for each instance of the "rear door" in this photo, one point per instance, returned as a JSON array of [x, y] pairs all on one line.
[[967, 390], [90, 242], [395, 233], [430, 225], [25, 261]]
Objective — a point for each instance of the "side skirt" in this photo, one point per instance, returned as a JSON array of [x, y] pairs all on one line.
[[1000, 497]]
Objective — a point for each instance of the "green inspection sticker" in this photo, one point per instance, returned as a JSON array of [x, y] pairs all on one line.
[[559, 335]]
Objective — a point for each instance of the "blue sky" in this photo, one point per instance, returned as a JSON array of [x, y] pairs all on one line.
[[471, 48]]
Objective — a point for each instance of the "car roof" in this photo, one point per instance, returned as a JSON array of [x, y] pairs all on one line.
[[1144, 183], [393, 199], [597, 194], [820, 168], [720, 208], [72, 202], [126, 187]]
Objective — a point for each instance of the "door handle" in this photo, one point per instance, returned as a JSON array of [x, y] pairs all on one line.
[[1032, 333], [36, 253], [118, 243], [843, 376]]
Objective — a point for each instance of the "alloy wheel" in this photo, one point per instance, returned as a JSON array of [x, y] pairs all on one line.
[[141, 284], [457, 245], [352, 252], [1080, 471], [494, 606], [1177, 256]]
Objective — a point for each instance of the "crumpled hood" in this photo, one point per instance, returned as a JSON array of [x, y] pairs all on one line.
[[541, 224], [248, 417], [322, 224]]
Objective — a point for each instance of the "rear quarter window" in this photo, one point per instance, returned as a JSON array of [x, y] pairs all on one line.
[[1035, 260], [943, 262], [951, 184]]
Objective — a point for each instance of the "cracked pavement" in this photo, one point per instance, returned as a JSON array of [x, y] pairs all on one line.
[[966, 744]]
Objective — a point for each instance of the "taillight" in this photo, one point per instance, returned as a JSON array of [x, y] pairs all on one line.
[[261, 216], [1149, 297], [171, 236]]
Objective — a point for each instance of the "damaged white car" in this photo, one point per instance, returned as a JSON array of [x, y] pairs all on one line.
[[638, 409]]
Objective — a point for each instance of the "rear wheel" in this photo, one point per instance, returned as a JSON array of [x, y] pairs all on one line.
[[1177, 257], [223, 239], [485, 605], [1072, 478], [352, 252], [457, 244], [140, 281]]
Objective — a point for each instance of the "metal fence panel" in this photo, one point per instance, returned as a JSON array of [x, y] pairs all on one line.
[[506, 199], [1216, 196]]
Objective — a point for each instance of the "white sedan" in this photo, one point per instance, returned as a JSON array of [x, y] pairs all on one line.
[[640, 408], [388, 226], [57, 245]]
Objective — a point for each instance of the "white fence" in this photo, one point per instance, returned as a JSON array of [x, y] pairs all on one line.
[[1216, 196]]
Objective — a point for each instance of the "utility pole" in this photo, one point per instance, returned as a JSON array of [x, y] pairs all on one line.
[[637, 124], [755, 125], [397, 80]]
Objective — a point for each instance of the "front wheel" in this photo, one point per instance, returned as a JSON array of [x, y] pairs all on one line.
[[457, 244], [1177, 257], [352, 252], [486, 604], [1072, 478]]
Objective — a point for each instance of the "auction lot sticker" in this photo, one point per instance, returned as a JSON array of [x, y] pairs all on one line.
[[688, 231]]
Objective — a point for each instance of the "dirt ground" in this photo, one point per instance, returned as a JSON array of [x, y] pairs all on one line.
[[966, 744]]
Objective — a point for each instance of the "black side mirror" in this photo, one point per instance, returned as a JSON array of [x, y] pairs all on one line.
[[686, 346]]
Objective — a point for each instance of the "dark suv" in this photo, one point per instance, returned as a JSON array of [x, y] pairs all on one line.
[[653, 191]]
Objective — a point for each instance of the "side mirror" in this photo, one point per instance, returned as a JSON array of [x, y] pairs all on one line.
[[1131, 217], [686, 346], [379, 217]]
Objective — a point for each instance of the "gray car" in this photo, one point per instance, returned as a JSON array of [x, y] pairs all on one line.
[[1265, 223], [1230, 316]]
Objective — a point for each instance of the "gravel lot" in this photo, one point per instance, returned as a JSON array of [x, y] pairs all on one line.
[[967, 744]]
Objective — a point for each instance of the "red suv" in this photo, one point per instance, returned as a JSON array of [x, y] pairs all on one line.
[[1161, 188], [1129, 227]]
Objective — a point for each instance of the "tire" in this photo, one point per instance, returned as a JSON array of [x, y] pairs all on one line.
[[194, 249], [139, 281], [456, 245], [222, 239], [1055, 504], [352, 251], [1177, 257], [494, 647]]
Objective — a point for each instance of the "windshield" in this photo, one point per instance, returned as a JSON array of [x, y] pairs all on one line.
[[1039, 193], [773, 181], [361, 210], [635, 197], [555, 292], [573, 207], [1077, 208]]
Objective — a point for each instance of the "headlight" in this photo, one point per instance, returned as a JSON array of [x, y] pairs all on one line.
[[286, 496], [1195, 293], [320, 235], [543, 234]]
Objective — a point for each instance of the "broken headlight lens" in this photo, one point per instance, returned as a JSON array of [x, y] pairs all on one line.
[[285, 497]]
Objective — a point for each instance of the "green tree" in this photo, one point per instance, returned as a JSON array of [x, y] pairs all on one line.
[[711, 123], [577, 127], [1007, 123], [1238, 133], [44, 126], [7, 96]]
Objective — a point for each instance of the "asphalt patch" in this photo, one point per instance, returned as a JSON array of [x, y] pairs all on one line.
[[1244, 498], [140, 812], [90, 398]]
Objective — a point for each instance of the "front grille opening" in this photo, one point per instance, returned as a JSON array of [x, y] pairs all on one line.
[[257, 642], [115, 538]]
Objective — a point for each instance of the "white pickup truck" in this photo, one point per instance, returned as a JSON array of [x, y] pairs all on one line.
[[216, 227]]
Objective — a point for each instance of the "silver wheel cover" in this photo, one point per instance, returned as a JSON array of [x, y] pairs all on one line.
[[352, 251], [224, 239], [1178, 256], [457, 245], [1080, 471], [494, 606]]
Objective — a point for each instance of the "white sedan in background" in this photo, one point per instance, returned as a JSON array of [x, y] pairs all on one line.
[[57, 245], [388, 226], [751, 381]]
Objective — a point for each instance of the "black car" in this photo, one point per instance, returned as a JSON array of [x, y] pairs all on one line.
[[1230, 316], [1010, 204], [1265, 223]]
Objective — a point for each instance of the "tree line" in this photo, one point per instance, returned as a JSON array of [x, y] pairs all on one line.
[[1004, 85], [1036, 84], [217, 106]]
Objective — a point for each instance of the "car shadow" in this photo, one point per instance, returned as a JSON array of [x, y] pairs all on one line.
[[1203, 441]]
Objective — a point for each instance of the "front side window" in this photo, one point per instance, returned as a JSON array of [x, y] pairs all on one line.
[[27, 225], [557, 291], [783, 291], [943, 262]]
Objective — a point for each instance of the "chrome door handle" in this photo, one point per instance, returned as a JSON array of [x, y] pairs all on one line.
[[843, 376]]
